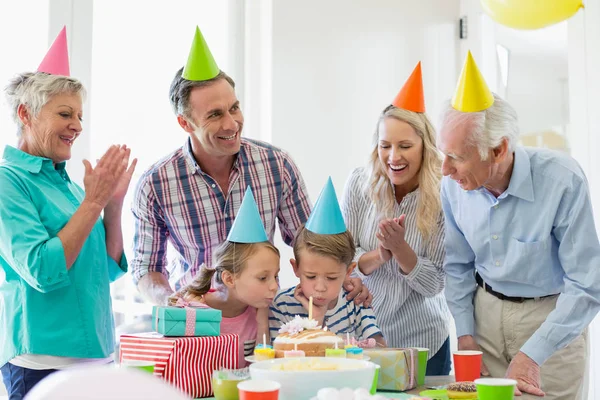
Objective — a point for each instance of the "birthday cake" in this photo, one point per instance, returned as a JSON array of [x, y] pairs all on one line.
[[305, 334]]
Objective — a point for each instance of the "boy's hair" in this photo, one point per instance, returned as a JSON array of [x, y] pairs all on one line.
[[340, 246], [229, 256]]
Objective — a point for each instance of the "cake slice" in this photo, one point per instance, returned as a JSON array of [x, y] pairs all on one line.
[[304, 334]]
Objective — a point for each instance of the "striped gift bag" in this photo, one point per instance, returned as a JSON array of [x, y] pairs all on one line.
[[186, 362]]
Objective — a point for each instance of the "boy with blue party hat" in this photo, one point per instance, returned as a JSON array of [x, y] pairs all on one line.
[[323, 257]]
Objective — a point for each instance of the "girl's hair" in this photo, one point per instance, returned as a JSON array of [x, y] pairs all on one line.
[[379, 188], [229, 256]]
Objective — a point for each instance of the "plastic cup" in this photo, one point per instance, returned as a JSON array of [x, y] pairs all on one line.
[[259, 390], [375, 380], [423, 357], [467, 365], [146, 366], [225, 389], [495, 388]]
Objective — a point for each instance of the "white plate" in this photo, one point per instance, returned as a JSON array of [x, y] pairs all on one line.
[[251, 359]]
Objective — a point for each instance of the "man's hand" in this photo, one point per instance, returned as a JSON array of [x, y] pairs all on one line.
[[527, 374], [155, 288], [358, 292], [467, 342]]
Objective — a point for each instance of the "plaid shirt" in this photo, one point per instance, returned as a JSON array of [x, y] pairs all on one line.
[[177, 203]]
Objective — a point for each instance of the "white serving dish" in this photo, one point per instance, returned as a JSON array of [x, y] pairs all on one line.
[[303, 385]]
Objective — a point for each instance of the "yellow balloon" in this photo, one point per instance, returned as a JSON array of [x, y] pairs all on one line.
[[530, 14]]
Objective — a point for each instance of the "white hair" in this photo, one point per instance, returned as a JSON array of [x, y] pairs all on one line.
[[35, 89], [488, 127]]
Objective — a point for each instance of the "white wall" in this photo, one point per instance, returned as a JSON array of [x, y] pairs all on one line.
[[584, 86], [537, 89], [333, 72]]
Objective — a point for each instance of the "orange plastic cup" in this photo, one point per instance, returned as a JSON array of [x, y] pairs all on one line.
[[467, 365], [259, 390]]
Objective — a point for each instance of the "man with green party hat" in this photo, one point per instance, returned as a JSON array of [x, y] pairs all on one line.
[[191, 197], [522, 252], [323, 258]]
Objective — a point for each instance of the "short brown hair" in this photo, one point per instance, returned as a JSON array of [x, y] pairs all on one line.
[[181, 88], [340, 246], [229, 256]]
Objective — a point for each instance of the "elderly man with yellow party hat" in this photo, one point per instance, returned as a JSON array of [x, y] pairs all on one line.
[[522, 253]]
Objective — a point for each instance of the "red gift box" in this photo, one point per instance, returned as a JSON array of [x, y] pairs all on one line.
[[186, 362]]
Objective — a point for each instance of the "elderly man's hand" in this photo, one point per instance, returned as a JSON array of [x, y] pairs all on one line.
[[527, 374], [358, 292], [468, 342]]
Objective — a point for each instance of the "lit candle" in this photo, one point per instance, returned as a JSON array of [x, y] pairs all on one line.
[[310, 308], [349, 344], [264, 351], [341, 353], [294, 353], [264, 344]]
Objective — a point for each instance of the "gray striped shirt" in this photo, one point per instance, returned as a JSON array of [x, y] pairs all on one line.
[[411, 309]]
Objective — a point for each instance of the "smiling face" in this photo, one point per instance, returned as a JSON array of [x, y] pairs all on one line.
[[400, 152], [218, 120], [462, 160], [53, 131]]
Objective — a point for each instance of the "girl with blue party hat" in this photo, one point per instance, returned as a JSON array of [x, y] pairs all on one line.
[[242, 282]]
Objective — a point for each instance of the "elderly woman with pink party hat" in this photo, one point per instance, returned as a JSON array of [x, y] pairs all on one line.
[[392, 207], [57, 253]]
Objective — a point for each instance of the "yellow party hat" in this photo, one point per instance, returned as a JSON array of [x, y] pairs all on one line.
[[472, 93]]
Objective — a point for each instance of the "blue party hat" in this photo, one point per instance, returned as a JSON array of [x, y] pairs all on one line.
[[247, 227], [326, 217]]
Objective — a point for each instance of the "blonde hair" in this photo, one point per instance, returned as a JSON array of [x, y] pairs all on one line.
[[340, 246], [229, 256], [379, 188]]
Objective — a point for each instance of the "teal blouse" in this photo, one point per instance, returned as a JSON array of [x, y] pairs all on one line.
[[45, 308]]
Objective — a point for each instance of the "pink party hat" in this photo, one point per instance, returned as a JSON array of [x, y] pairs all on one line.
[[56, 61]]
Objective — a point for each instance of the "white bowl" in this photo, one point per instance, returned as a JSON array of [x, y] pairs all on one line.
[[303, 385]]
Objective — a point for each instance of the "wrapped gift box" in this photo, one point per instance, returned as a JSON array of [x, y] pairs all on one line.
[[399, 368], [186, 362], [186, 321]]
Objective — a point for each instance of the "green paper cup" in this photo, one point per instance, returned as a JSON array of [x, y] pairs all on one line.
[[423, 357], [146, 366], [495, 388], [225, 389], [375, 380]]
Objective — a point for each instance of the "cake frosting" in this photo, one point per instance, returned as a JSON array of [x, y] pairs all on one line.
[[306, 335]]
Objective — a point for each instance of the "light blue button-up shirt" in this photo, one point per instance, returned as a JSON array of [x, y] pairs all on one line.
[[538, 238], [44, 308]]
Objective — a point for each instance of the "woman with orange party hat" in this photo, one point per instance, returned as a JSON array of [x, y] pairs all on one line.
[[392, 207]]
